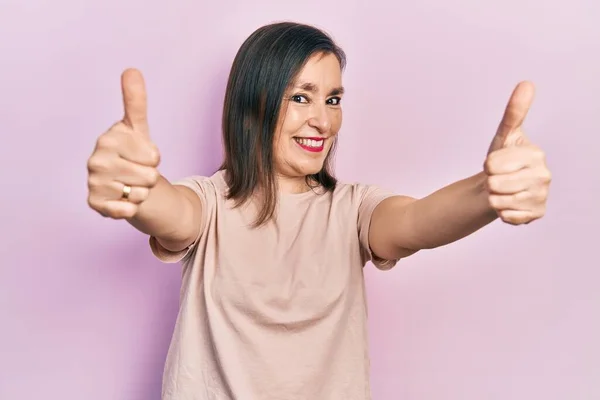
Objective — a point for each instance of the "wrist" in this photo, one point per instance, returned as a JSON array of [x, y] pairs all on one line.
[[483, 195]]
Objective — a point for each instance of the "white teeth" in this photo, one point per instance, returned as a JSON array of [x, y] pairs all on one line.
[[310, 142]]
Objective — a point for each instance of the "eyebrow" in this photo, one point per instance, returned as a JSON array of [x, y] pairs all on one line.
[[311, 87]]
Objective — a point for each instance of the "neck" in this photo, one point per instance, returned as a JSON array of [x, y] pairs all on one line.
[[292, 185]]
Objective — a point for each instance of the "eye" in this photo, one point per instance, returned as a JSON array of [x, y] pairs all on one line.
[[334, 101], [298, 98]]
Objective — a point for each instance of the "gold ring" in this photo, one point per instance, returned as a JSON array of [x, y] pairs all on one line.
[[126, 192]]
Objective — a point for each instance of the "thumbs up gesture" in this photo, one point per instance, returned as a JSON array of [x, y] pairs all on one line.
[[518, 178], [123, 167]]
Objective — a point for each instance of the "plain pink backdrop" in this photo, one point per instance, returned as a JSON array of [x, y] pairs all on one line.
[[509, 313]]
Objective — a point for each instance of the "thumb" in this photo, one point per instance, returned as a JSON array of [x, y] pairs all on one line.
[[516, 110], [134, 100]]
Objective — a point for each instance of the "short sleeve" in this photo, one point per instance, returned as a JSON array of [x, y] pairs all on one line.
[[204, 188], [370, 199]]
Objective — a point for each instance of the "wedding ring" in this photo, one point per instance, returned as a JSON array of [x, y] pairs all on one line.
[[126, 192]]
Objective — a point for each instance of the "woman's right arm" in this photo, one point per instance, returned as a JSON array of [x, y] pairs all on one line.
[[124, 182]]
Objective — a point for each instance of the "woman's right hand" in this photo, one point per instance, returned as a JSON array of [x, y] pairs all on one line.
[[123, 167]]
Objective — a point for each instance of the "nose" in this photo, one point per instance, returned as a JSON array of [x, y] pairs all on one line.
[[320, 118]]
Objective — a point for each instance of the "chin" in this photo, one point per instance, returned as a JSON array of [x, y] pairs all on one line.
[[309, 168]]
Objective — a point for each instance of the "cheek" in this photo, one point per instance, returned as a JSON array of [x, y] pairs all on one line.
[[336, 121], [279, 145], [294, 120]]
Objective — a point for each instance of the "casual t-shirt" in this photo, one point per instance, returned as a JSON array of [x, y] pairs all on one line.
[[276, 312]]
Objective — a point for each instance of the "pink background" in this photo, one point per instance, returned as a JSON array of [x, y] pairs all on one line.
[[509, 313]]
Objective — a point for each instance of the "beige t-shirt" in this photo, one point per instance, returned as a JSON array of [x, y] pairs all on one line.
[[276, 312]]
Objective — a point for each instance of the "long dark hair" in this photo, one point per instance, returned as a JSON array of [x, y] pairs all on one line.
[[264, 67]]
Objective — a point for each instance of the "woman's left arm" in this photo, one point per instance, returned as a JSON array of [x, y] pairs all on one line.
[[513, 186]]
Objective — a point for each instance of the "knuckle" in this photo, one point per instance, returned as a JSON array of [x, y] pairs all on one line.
[[98, 162], [107, 141], [546, 176], [154, 155], [145, 193], [510, 218], [97, 206], [141, 195], [91, 202], [153, 177], [488, 164], [541, 195], [94, 182], [494, 201], [523, 196], [539, 154], [122, 210], [129, 212], [493, 183], [94, 163], [126, 212]]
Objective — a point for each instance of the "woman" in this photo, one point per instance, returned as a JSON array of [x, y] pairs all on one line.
[[272, 246]]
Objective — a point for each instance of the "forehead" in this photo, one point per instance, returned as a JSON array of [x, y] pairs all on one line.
[[322, 70]]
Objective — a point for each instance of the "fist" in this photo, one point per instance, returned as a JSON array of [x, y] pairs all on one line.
[[123, 167], [518, 179]]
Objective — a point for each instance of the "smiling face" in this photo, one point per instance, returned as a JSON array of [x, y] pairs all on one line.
[[310, 118]]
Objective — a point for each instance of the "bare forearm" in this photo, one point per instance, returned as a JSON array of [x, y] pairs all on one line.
[[167, 214], [401, 226], [449, 214]]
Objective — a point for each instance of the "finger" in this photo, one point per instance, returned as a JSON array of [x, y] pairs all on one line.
[[133, 174], [109, 167], [130, 147], [116, 209], [103, 189], [514, 182], [134, 100], [516, 110], [114, 191], [511, 159], [521, 201], [137, 195], [517, 217]]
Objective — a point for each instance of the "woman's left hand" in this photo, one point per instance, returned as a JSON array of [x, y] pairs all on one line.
[[518, 178]]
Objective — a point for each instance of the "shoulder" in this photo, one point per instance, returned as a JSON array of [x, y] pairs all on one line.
[[360, 193], [364, 199], [205, 186]]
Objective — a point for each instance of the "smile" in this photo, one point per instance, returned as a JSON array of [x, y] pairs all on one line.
[[314, 145]]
